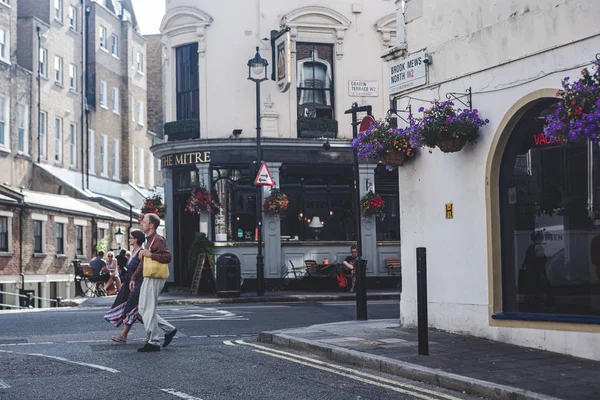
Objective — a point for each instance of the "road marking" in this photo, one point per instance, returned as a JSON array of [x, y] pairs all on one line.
[[200, 314], [343, 370], [107, 369], [87, 341], [180, 394], [4, 385], [228, 343]]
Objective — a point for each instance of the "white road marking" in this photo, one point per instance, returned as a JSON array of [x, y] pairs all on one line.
[[180, 394], [88, 341], [338, 369], [31, 344], [200, 314], [107, 369], [4, 385], [228, 343]]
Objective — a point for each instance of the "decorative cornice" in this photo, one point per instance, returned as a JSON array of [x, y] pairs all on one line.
[[386, 26], [203, 18]]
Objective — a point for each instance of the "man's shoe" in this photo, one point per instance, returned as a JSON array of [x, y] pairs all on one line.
[[169, 337], [148, 348]]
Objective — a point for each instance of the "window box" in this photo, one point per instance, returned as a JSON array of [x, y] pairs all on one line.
[[317, 127], [183, 129]]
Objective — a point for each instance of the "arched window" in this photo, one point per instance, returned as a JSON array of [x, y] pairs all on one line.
[[550, 223]]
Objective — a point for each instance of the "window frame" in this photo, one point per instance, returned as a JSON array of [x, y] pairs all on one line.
[[73, 78], [5, 45], [5, 121], [115, 100], [141, 166], [58, 11], [79, 240], [43, 135], [151, 182], [43, 62], [104, 156], [116, 159], [103, 94], [330, 90], [23, 130], [114, 45], [73, 18], [102, 33], [58, 70], [60, 238], [140, 62], [141, 113], [8, 251], [72, 145], [58, 140], [92, 146], [187, 82], [42, 219]]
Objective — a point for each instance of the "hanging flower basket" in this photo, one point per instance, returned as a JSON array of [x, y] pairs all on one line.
[[393, 158], [201, 201], [390, 145], [372, 204], [577, 116], [153, 205], [448, 128], [276, 203], [451, 145]]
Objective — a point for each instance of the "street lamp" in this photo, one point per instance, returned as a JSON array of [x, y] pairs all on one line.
[[257, 73], [119, 237]]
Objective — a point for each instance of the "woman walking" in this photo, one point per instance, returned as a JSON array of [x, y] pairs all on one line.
[[125, 307]]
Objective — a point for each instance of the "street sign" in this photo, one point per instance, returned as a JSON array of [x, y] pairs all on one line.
[[408, 73], [263, 178], [366, 123]]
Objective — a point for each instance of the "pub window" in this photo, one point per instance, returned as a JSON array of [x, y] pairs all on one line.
[[386, 185], [550, 223], [187, 82], [184, 180], [315, 80], [317, 192], [236, 193]]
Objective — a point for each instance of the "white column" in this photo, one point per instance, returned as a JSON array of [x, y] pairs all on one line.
[[272, 231], [44, 294], [368, 225], [400, 33]]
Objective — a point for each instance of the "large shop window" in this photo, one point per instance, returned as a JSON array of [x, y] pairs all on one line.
[[236, 220], [386, 185], [324, 192], [315, 80], [550, 222], [188, 83]]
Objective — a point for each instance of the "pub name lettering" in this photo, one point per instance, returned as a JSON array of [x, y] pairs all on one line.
[[196, 157]]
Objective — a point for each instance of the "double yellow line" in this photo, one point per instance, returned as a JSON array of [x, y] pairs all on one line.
[[405, 388]]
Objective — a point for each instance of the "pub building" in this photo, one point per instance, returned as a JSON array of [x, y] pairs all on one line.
[[319, 185]]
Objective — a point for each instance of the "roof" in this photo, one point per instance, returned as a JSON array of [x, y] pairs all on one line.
[[6, 199]]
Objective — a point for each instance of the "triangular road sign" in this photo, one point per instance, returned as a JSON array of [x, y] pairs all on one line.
[[263, 178]]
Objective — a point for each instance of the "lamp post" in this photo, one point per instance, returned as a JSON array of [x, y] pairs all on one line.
[[257, 73], [119, 237]]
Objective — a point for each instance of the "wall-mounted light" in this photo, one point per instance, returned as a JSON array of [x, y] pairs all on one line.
[[236, 132]]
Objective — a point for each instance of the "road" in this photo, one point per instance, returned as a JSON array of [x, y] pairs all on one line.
[[68, 354]]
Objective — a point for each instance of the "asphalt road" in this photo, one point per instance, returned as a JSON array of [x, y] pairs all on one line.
[[68, 354]]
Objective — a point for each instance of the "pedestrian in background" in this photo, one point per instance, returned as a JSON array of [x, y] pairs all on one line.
[[113, 267], [125, 308], [157, 250]]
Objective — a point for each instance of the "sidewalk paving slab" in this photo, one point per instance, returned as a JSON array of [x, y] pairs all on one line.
[[480, 367]]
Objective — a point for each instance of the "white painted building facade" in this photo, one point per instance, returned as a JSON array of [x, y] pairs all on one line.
[[513, 55]]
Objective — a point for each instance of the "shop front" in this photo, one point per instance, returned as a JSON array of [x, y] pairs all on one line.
[[319, 183]]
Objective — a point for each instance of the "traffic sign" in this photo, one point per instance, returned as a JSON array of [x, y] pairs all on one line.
[[366, 123], [263, 178]]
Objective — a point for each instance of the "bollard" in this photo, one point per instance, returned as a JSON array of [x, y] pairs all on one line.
[[422, 323], [361, 289], [59, 302], [30, 300]]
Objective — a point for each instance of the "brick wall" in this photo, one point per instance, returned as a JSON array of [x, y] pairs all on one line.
[[37, 8], [9, 263], [155, 84]]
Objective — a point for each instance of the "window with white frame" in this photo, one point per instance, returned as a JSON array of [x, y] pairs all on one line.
[[58, 10], [39, 237], [150, 170], [102, 37], [140, 62], [60, 238], [104, 155], [114, 45], [73, 145], [6, 231], [141, 167], [7, 2], [115, 100], [141, 112], [4, 121], [103, 94], [92, 158], [79, 232], [4, 45], [116, 159], [42, 129], [58, 131], [23, 122], [58, 68], [73, 18], [43, 67], [73, 77]]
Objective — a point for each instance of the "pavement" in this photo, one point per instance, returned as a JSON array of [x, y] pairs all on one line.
[[184, 298], [480, 367]]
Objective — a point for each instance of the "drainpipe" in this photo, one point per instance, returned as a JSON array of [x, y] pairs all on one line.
[[39, 93], [85, 49], [21, 212], [83, 123]]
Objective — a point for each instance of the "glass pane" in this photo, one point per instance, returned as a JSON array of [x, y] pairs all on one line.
[[236, 221], [3, 233], [550, 222]]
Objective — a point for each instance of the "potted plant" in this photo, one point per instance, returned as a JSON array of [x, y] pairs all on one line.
[[372, 204], [276, 203], [392, 146], [577, 116], [448, 128], [201, 201]]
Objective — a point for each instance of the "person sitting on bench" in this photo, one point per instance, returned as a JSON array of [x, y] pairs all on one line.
[[349, 265], [100, 270]]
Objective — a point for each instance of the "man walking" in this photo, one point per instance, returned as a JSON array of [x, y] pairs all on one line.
[[156, 249]]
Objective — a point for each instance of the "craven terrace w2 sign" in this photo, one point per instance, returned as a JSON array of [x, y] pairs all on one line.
[[408, 73], [176, 160]]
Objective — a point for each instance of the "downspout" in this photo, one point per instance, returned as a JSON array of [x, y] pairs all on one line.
[[85, 49], [39, 93], [83, 92], [21, 274]]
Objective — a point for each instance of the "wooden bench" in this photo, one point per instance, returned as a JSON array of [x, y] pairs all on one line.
[[393, 267]]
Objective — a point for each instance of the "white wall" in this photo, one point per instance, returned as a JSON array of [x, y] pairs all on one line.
[[474, 43], [230, 39]]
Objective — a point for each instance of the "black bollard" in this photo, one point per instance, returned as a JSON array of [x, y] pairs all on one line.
[[361, 289], [422, 301]]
